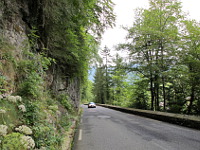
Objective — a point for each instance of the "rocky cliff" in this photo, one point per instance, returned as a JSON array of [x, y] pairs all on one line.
[[38, 100], [45, 49], [18, 19]]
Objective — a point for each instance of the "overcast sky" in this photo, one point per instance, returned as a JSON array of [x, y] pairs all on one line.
[[124, 10]]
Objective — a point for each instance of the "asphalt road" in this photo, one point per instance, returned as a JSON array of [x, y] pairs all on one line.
[[105, 129]]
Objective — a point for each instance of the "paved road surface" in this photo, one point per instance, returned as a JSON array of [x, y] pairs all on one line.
[[106, 129]]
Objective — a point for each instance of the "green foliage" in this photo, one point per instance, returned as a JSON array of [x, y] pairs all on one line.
[[6, 49], [87, 92], [65, 33], [64, 100], [2, 84], [100, 85], [119, 85], [33, 37], [164, 51], [31, 86], [7, 63], [140, 95], [11, 116], [175, 108], [155, 38], [65, 121], [71, 27], [33, 113], [31, 70], [44, 136], [192, 48], [12, 141]]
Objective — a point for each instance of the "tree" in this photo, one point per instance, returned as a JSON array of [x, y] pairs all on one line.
[[119, 85], [69, 31], [100, 85], [106, 59], [87, 92], [154, 38], [140, 94], [191, 59]]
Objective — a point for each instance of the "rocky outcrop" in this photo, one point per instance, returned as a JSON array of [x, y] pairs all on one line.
[[60, 84], [17, 19]]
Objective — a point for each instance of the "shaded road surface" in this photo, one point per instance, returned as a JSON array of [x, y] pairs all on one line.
[[106, 129]]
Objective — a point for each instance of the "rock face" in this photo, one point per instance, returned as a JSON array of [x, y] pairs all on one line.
[[61, 85], [16, 22], [13, 26]]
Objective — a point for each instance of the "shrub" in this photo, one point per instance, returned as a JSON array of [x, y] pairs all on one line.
[[2, 83], [14, 99], [32, 114], [175, 108], [22, 108], [24, 129], [3, 130], [64, 100], [31, 86], [45, 136], [11, 115], [27, 141], [13, 142]]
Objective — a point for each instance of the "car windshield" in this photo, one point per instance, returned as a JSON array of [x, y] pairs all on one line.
[[91, 102]]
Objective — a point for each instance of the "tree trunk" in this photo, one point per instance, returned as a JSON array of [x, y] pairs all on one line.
[[152, 93], [164, 93], [192, 99], [156, 92]]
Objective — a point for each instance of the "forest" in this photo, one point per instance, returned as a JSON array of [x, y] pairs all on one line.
[[162, 69]]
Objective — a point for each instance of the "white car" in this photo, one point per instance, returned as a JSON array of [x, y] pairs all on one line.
[[91, 105]]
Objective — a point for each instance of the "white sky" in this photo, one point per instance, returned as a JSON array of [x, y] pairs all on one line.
[[124, 10]]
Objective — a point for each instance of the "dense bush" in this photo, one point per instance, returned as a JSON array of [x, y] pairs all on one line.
[[13, 141]]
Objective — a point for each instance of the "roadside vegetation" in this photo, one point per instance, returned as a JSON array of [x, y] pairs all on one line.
[[61, 38], [163, 68]]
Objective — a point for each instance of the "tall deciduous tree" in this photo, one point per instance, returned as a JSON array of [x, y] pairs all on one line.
[[191, 59], [153, 42]]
